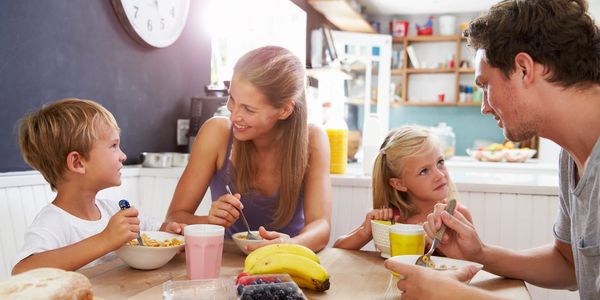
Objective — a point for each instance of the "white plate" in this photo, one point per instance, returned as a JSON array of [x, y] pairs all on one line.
[[439, 261]]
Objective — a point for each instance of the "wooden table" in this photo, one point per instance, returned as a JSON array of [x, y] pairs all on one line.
[[353, 275]]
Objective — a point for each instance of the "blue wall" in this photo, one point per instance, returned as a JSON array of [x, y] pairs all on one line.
[[467, 122]]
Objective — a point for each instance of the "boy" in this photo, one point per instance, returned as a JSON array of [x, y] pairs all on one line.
[[74, 143]]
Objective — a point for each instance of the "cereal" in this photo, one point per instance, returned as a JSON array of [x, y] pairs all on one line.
[[150, 242]]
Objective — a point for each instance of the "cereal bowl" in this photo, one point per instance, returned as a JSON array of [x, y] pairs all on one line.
[[519, 155], [381, 236], [441, 263], [151, 257], [241, 241]]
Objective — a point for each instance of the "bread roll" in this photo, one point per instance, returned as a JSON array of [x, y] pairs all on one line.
[[46, 283]]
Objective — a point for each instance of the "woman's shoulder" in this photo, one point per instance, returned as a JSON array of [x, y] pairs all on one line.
[[316, 134], [217, 124]]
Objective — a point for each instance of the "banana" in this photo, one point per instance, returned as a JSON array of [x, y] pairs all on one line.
[[309, 273], [271, 249]]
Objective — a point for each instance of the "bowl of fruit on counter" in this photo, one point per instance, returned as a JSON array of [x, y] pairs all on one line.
[[506, 152]]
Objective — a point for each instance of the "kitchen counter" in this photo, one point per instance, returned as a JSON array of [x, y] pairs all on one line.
[[475, 176]]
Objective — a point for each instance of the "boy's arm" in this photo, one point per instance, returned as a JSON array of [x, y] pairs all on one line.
[[69, 258]]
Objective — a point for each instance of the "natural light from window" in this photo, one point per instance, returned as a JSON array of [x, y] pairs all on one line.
[[237, 26]]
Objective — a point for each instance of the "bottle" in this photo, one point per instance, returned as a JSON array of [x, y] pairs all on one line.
[[447, 139], [372, 139], [337, 132]]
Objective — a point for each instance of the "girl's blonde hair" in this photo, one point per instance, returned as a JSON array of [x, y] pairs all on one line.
[[48, 135], [400, 145], [279, 75]]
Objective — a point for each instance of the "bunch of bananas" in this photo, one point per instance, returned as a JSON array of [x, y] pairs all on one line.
[[301, 263]]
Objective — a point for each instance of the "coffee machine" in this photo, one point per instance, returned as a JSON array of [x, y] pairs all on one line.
[[203, 108]]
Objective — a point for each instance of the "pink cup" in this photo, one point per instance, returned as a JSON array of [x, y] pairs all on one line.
[[203, 250]]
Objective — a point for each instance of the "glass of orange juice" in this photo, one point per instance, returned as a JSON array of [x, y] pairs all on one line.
[[407, 239]]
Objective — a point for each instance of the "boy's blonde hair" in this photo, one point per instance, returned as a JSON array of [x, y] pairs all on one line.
[[400, 145], [48, 135]]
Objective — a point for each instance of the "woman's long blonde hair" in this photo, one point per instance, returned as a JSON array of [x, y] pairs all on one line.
[[400, 145], [279, 75]]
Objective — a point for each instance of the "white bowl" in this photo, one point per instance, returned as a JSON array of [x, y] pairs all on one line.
[[148, 258], [240, 240], [440, 262], [381, 236], [519, 155]]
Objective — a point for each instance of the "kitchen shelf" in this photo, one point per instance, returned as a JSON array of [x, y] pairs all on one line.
[[456, 71], [342, 15]]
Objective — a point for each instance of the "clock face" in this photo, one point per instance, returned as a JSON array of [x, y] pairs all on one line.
[[157, 23]]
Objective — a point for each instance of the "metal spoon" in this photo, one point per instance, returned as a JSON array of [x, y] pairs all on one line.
[[250, 235], [124, 204], [425, 260]]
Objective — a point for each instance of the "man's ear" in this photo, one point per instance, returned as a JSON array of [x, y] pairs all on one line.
[[75, 162], [525, 65], [398, 184], [287, 109]]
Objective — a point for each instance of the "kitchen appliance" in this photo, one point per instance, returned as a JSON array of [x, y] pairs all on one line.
[[203, 108]]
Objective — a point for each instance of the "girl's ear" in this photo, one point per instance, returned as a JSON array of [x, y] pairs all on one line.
[[398, 184], [287, 110], [75, 162]]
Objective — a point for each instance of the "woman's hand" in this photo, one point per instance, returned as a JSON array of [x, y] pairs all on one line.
[[269, 237], [173, 227], [225, 211]]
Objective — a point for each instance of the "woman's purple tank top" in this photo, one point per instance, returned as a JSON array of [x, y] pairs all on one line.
[[258, 209]]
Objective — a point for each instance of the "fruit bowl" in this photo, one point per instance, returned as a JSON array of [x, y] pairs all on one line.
[[441, 263], [149, 258], [240, 240], [502, 155], [381, 236]]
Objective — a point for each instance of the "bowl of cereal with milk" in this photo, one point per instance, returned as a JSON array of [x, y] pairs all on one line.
[[438, 262], [158, 249]]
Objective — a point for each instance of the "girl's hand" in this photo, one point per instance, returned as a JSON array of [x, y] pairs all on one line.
[[122, 227], [269, 237], [225, 211], [385, 214]]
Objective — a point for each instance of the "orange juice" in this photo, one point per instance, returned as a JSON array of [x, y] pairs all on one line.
[[338, 147], [407, 239]]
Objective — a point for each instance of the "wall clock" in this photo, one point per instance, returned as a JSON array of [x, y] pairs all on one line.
[[157, 23]]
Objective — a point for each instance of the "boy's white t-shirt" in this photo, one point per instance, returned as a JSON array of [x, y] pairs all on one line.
[[55, 228]]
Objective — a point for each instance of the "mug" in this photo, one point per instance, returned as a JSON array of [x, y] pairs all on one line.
[[203, 250], [407, 239]]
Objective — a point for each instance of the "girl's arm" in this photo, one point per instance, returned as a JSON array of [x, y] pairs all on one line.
[[360, 236], [209, 149], [317, 193]]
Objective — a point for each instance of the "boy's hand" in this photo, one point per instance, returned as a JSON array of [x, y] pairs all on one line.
[[122, 227], [173, 227]]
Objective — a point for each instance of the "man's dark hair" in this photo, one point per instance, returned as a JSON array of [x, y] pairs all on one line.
[[558, 34]]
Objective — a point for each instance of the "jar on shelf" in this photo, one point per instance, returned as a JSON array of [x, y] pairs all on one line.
[[447, 139]]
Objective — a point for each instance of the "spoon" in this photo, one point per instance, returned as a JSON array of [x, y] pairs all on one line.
[[250, 235], [425, 260], [124, 204]]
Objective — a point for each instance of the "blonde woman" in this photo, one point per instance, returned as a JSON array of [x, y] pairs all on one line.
[[276, 165], [409, 179]]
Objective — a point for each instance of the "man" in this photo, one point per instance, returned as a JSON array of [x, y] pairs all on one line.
[[538, 64]]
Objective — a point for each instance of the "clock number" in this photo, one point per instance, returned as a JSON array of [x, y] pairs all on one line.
[[173, 11], [162, 23], [136, 11], [149, 25]]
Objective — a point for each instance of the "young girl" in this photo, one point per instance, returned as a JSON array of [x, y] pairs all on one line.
[[409, 178]]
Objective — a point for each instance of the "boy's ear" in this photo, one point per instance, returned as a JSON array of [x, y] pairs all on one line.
[[287, 110], [75, 162], [398, 184], [525, 67]]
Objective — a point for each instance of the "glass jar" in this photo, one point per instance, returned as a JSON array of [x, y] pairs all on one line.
[[447, 139]]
